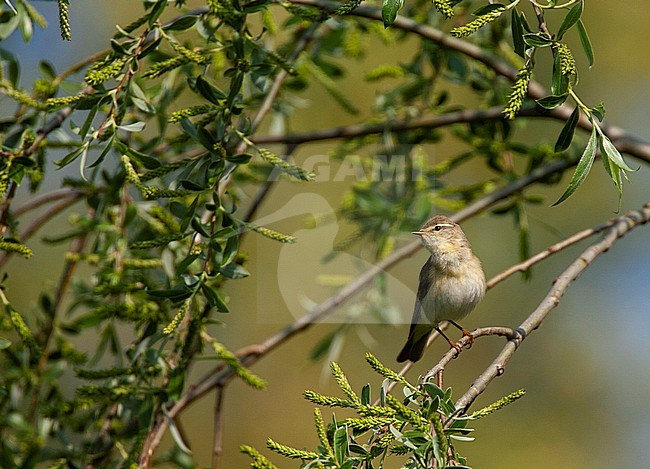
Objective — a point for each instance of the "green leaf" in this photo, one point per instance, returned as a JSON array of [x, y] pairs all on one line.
[[518, 34], [586, 43], [365, 395], [340, 445], [214, 298], [4, 343], [571, 18], [242, 158], [583, 168], [209, 91], [611, 152], [566, 134], [133, 127], [234, 271], [615, 174], [537, 40], [173, 295], [73, 155], [181, 23], [485, 9], [599, 111], [389, 11], [551, 102]]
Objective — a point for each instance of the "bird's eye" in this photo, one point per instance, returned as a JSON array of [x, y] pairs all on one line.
[[437, 228]]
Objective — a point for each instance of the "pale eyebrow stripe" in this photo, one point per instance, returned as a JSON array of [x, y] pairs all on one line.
[[444, 224]]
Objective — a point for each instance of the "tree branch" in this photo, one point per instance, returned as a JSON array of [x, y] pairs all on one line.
[[625, 141]]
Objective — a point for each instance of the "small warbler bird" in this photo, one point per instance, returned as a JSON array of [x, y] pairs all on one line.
[[452, 282]]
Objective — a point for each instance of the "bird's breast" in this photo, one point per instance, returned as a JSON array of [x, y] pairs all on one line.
[[452, 297]]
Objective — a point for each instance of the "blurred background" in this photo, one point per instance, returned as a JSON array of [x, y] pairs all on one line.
[[586, 371]]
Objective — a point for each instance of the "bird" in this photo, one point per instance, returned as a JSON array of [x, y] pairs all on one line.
[[451, 284]]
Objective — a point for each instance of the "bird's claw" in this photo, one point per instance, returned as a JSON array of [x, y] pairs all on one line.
[[456, 347], [470, 338]]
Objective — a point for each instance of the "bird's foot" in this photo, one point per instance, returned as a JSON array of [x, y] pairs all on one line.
[[469, 336], [455, 346]]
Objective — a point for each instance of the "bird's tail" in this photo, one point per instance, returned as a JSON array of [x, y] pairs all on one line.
[[414, 348]]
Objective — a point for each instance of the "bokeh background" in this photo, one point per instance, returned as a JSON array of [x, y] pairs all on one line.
[[586, 371]]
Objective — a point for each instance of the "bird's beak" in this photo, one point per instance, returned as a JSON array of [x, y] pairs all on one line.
[[419, 233]]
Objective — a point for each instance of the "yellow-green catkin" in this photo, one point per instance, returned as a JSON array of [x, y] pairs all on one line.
[[269, 22], [160, 68], [385, 71], [518, 93], [192, 111], [259, 460], [64, 19], [347, 7], [504, 401], [322, 433], [567, 62], [289, 452], [440, 432], [17, 248], [64, 100], [343, 383], [478, 23], [100, 75], [192, 55], [285, 167], [182, 311], [444, 8], [272, 234], [19, 95]]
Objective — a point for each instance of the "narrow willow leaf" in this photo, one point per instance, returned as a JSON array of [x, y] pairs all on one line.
[[181, 23], [518, 34], [365, 395], [389, 11], [583, 168], [341, 445], [490, 7], [571, 18], [537, 40], [586, 43], [615, 174], [209, 91], [611, 152], [566, 134], [599, 111], [551, 102]]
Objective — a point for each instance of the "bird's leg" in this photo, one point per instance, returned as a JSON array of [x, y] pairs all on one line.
[[465, 332], [451, 342]]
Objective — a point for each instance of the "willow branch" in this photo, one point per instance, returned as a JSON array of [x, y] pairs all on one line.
[[624, 141], [217, 448], [552, 299]]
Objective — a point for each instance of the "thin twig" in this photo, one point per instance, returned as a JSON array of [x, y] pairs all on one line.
[[464, 340], [43, 199], [217, 448], [528, 263], [552, 299]]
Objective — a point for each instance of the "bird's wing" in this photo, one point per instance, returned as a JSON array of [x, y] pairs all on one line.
[[423, 288]]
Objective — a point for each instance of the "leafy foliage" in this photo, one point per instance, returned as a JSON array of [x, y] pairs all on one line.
[[418, 431]]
